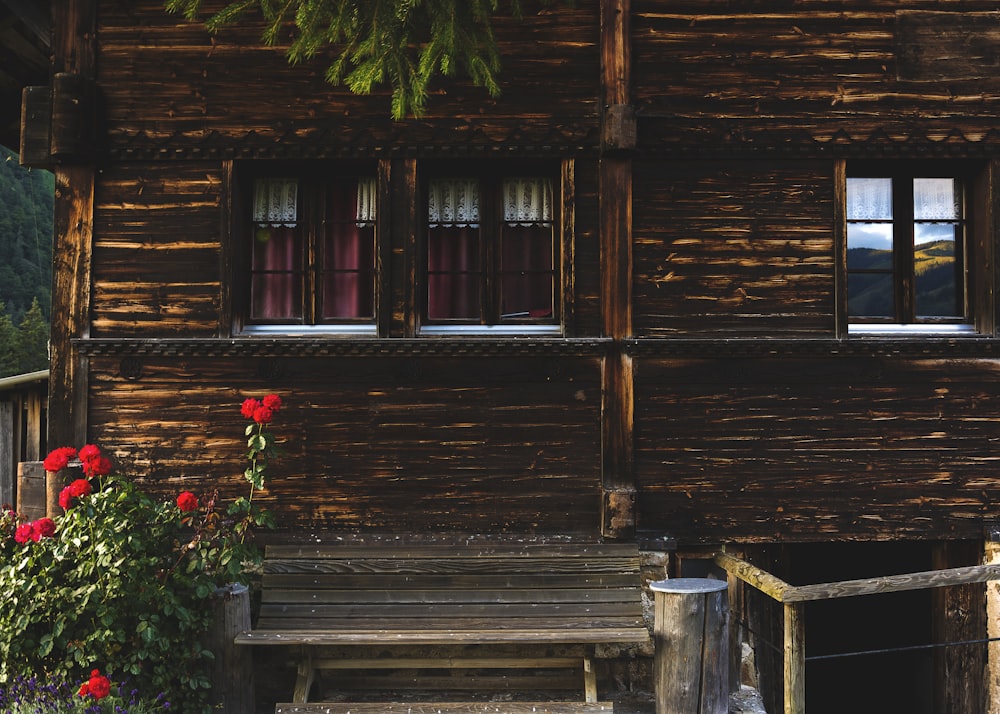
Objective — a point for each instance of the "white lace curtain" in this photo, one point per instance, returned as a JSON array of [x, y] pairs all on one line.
[[365, 214], [934, 199], [275, 202], [453, 202], [527, 201], [870, 199]]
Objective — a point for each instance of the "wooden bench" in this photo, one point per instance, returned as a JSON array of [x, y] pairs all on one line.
[[429, 596]]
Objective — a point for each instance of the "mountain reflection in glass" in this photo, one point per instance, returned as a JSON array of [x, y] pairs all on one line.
[[872, 231], [936, 214]]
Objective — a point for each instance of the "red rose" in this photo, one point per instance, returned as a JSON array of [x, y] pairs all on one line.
[[99, 466], [80, 487], [58, 458], [272, 402], [89, 453], [98, 686], [187, 502], [249, 407], [263, 415], [43, 528], [23, 533], [65, 499]]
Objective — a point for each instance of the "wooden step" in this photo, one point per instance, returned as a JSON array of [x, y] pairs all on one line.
[[445, 708]]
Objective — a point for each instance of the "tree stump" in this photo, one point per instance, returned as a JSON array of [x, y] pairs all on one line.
[[232, 670], [691, 632]]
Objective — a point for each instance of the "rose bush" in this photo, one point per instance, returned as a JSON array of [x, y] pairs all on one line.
[[123, 580]]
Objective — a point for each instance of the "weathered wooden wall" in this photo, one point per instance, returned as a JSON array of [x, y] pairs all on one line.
[[821, 448], [485, 445], [733, 248], [723, 77], [704, 385], [169, 86]]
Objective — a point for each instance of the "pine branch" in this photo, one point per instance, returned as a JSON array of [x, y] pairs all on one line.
[[406, 43]]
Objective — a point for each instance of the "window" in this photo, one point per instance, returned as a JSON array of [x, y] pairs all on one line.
[[907, 248], [492, 258], [311, 252]]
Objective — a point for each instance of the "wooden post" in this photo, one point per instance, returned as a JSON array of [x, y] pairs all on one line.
[[232, 670], [691, 632], [736, 608], [55, 481], [991, 556], [795, 658]]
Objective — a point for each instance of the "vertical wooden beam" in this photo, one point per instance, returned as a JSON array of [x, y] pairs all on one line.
[[404, 259], [840, 246], [615, 190], [74, 29], [7, 465], [958, 614], [991, 556], [795, 658], [34, 428], [984, 211], [736, 614], [74, 210]]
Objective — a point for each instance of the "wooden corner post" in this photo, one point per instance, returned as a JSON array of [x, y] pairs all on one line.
[[73, 46], [618, 501]]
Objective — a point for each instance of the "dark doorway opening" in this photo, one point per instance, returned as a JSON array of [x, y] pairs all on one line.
[[893, 659]]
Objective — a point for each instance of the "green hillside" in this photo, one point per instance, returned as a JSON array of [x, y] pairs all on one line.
[[934, 266], [26, 205]]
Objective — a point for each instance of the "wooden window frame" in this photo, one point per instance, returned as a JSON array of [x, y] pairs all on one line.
[[312, 178], [491, 175], [976, 179]]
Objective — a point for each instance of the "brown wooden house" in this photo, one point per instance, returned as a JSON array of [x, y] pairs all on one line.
[[707, 273]]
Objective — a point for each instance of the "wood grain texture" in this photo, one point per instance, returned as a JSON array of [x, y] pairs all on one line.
[[169, 83], [389, 444], [862, 448]]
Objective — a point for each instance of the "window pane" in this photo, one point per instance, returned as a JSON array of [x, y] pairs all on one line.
[[527, 276], [935, 277], [869, 246], [453, 277], [869, 295], [347, 276], [276, 282], [869, 199]]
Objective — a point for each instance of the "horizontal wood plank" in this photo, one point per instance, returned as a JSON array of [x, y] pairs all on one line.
[[336, 594], [303, 635]]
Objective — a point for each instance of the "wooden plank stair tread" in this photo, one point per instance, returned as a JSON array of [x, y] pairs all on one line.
[[445, 708]]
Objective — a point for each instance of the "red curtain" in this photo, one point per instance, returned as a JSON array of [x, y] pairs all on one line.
[[526, 272], [276, 287], [348, 272], [453, 277]]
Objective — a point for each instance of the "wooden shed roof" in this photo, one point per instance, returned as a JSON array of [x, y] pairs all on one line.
[[25, 30]]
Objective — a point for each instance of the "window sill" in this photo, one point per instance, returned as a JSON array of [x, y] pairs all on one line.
[[885, 330], [308, 330], [499, 330]]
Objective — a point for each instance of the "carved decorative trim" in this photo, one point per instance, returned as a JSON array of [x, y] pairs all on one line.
[[927, 348], [662, 136], [296, 347], [442, 138]]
